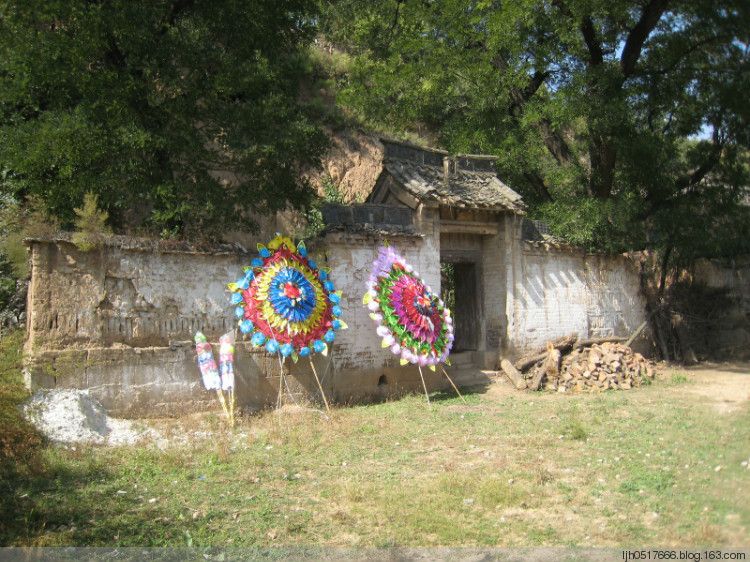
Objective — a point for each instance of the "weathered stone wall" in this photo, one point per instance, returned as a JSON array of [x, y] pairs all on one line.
[[555, 291], [119, 321]]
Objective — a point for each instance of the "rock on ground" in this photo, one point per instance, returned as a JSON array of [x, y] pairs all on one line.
[[72, 416]]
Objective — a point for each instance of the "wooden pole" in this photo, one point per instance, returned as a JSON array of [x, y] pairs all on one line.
[[320, 386], [452, 383], [513, 374], [281, 385], [223, 402], [421, 376], [635, 334], [231, 404]]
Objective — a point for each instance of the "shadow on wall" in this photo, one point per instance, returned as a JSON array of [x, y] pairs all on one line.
[[713, 322], [552, 275], [563, 292]]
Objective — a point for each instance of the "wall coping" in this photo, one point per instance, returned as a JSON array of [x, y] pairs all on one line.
[[547, 246], [150, 245]]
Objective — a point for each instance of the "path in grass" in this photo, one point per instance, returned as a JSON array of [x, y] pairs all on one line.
[[659, 465]]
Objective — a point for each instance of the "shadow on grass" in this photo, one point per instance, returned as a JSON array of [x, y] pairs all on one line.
[[48, 496], [72, 500], [42, 499], [448, 394]]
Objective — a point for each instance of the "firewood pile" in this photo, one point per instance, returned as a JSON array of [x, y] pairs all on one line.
[[572, 365]]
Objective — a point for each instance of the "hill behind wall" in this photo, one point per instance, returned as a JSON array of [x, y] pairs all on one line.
[[351, 165]]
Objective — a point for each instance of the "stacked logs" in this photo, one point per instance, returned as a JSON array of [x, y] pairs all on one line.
[[570, 365]]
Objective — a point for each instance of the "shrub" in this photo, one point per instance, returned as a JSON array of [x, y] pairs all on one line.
[[91, 224]]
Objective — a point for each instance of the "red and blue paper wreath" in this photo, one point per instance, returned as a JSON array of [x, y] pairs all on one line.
[[286, 303], [412, 321]]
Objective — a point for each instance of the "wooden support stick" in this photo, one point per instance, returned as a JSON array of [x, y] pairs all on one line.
[[223, 402], [421, 376], [281, 386], [513, 374], [452, 383], [231, 404], [320, 386], [635, 334]]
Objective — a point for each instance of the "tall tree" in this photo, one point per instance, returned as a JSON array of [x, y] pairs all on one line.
[[182, 116], [623, 122]]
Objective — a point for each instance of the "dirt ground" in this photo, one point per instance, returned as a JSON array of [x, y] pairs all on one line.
[[726, 386]]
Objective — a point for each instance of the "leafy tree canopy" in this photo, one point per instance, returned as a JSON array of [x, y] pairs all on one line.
[[624, 123], [181, 116]]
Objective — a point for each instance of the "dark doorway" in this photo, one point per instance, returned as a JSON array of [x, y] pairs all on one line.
[[458, 282]]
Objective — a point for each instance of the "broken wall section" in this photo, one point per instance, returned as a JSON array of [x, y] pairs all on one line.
[[127, 292]]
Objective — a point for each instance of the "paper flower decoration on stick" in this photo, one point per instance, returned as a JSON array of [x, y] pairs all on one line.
[[217, 378], [286, 303], [412, 321]]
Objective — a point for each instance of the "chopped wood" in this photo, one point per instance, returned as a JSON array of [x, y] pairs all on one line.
[[598, 341], [590, 368], [552, 362], [536, 382], [513, 374], [564, 344]]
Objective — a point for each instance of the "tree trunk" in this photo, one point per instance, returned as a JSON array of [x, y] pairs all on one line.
[[603, 156]]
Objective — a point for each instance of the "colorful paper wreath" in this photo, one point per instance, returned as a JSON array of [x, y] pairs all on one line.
[[413, 321], [285, 303]]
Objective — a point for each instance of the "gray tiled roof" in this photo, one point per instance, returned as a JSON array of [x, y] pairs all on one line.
[[461, 188]]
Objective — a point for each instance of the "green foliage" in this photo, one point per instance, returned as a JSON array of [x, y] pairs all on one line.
[[314, 224], [575, 431], [91, 224], [624, 125], [448, 285], [331, 192], [7, 282], [183, 117], [16, 223], [18, 440]]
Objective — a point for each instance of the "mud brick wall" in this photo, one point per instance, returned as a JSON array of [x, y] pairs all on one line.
[[119, 321], [128, 295]]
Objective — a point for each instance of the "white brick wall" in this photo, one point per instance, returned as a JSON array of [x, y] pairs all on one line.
[[558, 292], [350, 258]]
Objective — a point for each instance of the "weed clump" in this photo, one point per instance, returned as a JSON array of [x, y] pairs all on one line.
[[91, 224]]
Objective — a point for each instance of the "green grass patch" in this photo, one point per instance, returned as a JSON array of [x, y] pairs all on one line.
[[678, 378], [575, 430], [617, 469], [18, 440]]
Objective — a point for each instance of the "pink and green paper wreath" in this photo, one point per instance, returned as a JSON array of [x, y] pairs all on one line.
[[286, 303], [412, 321]]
